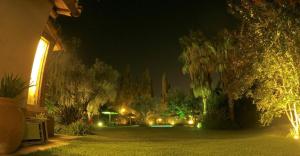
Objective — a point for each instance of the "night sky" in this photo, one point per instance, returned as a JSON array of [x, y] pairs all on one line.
[[143, 33]]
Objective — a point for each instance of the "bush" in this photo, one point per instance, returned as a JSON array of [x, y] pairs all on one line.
[[246, 114], [218, 119], [77, 128]]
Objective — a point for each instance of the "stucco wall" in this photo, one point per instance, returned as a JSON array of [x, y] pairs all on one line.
[[21, 25]]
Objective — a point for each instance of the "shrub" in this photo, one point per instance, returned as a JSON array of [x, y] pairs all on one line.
[[246, 114], [77, 128], [218, 119], [11, 86]]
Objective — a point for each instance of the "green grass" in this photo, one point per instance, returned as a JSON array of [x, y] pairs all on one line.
[[177, 142]]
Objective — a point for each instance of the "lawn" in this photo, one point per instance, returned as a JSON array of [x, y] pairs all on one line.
[[178, 141]]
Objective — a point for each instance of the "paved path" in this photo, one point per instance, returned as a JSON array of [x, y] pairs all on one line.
[[58, 140]]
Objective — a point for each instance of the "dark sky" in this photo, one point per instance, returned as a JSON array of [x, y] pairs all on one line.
[[143, 33]]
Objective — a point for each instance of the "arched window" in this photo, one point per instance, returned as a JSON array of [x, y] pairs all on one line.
[[37, 71]]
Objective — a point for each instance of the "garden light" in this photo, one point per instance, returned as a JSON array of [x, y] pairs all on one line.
[[172, 123], [199, 125], [100, 124], [150, 123], [191, 122], [123, 110]]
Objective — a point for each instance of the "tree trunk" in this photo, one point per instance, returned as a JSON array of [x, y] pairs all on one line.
[[231, 109], [204, 106]]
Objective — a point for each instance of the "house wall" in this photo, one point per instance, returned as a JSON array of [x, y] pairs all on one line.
[[21, 25]]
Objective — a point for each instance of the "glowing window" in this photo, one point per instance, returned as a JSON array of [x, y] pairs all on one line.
[[37, 71]]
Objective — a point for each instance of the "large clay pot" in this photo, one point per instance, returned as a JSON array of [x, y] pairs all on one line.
[[12, 124]]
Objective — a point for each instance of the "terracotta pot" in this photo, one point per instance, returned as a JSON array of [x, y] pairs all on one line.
[[12, 123]]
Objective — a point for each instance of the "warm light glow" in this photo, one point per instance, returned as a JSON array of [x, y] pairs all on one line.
[[172, 123], [191, 122], [123, 110], [100, 124], [150, 123], [296, 137], [37, 71], [159, 119]]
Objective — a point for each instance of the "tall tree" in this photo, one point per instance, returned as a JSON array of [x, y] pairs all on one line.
[[102, 82], [164, 92], [146, 89], [203, 62], [125, 95], [71, 86]]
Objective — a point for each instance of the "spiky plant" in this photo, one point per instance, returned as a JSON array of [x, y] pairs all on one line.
[[12, 85]]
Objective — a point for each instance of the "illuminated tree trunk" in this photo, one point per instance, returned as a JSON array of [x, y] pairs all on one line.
[[293, 116], [204, 101]]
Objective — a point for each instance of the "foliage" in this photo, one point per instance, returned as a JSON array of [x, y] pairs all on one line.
[[218, 119], [11, 86], [145, 88], [272, 79], [182, 105], [77, 128], [135, 93], [72, 86], [165, 87], [217, 116], [143, 106], [247, 115], [203, 62], [260, 60], [103, 82], [126, 89]]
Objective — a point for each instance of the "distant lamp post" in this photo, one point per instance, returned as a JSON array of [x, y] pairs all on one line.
[[109, 115]]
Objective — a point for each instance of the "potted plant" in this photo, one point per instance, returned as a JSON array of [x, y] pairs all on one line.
[[11, 116]]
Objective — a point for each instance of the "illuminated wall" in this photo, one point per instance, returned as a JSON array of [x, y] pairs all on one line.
[[21, 26]]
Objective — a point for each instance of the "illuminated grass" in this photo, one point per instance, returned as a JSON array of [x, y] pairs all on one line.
[[177, 141]]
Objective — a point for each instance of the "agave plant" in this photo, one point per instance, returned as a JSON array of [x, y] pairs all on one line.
[[12, 85]]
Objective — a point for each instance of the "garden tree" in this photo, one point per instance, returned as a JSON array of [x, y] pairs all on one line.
[[164, 92], [202, 61], [125, 94], [71, 86], [143, 102], [146, 89], [272, 78], [64, 91], [182, 105], [103, 80], [143, 106]]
